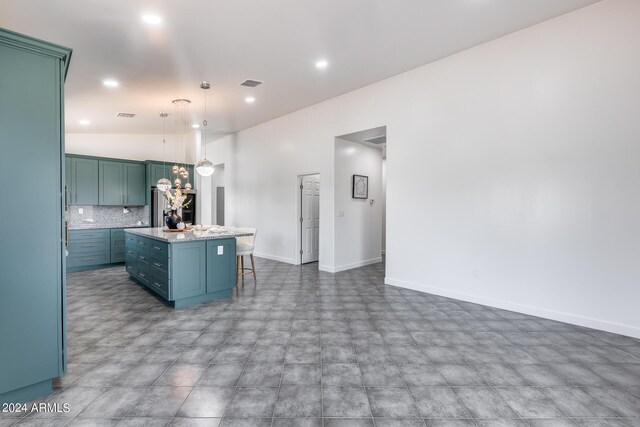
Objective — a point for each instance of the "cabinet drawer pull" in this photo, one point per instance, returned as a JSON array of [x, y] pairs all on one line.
[[142, 275], [88, 246], [142, 258], [157, 264], [88, 259], [157, 248], [157, 284]]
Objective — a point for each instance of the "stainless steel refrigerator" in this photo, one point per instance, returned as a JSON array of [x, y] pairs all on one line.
[[159, 208]]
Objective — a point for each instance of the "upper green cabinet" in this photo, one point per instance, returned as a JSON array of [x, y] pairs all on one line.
[[111, 183], [107, 182], [82, 183], [158, 170], [135, 190], [122, 183]]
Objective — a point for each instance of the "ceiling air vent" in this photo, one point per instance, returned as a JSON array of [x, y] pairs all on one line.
[[377, 140], [251, 83], [126, 115]]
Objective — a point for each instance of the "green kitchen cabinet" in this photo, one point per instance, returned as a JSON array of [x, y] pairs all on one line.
[[157, 171], [221, 268], [84, 181], [190, 271], [96, 248], [135, 190], [117, 245], [88, 249], [111, 180], [67, 180], [32, 288], [182, 272], [122, 183]]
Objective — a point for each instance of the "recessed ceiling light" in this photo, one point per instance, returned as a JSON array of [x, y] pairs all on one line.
[[250, 100], [196, 126], [322, 64], [110, 83], [84, 122], [152, 19]]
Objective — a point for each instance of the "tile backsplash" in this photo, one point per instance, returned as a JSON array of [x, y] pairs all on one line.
[[107, 216]]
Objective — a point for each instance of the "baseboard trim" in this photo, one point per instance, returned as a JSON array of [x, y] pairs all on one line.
[[276, 258], [326, 268], [574, 319], [346, 267]]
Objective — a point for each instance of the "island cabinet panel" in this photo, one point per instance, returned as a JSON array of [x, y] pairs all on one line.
[[32, 286], [221, 265], [188, 275]]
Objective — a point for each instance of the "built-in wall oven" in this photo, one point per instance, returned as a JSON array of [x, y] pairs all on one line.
[[159, 208]]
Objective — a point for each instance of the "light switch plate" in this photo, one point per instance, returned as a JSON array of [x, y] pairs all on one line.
[[220, 250], [80, 211]]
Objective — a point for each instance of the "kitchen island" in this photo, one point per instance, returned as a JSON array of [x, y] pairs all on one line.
[[182, 268]]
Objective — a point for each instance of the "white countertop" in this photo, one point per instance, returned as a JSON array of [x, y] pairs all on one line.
[[185, 236]]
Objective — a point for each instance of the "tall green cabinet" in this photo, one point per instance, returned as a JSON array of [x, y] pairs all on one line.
[[32, 264]]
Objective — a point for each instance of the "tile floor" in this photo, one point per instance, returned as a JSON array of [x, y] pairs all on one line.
[[307, 349]]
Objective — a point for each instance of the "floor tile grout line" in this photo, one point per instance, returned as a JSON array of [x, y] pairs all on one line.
[[246, 361], [443, 378], [298, 287], [284, 364]]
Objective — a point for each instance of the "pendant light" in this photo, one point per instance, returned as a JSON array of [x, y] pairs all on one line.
[[204, 167], [181, 105], [163, 184]]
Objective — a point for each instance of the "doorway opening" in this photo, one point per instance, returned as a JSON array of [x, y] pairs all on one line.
[[360, 223], [308, 218]]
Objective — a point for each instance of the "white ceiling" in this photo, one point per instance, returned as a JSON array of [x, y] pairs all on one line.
[[228, 41], [364, 135]]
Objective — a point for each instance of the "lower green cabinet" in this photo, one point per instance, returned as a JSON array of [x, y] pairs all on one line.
[[95, 248], [88, 248], [117, 245], [182, 273]]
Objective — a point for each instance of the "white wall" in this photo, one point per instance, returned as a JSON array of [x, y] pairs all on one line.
[[512, 170], [129, 146], [358, 234]]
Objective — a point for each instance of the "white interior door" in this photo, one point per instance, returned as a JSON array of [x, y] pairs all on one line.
[[310, 219]]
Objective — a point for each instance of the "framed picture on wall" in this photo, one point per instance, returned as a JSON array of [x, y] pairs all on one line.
[[360, 187]]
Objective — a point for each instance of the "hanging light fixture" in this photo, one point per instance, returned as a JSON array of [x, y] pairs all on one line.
[[163, 184], [181, 105], [204, 167]]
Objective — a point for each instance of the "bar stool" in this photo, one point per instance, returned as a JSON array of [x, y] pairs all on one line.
[[245, 246]]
